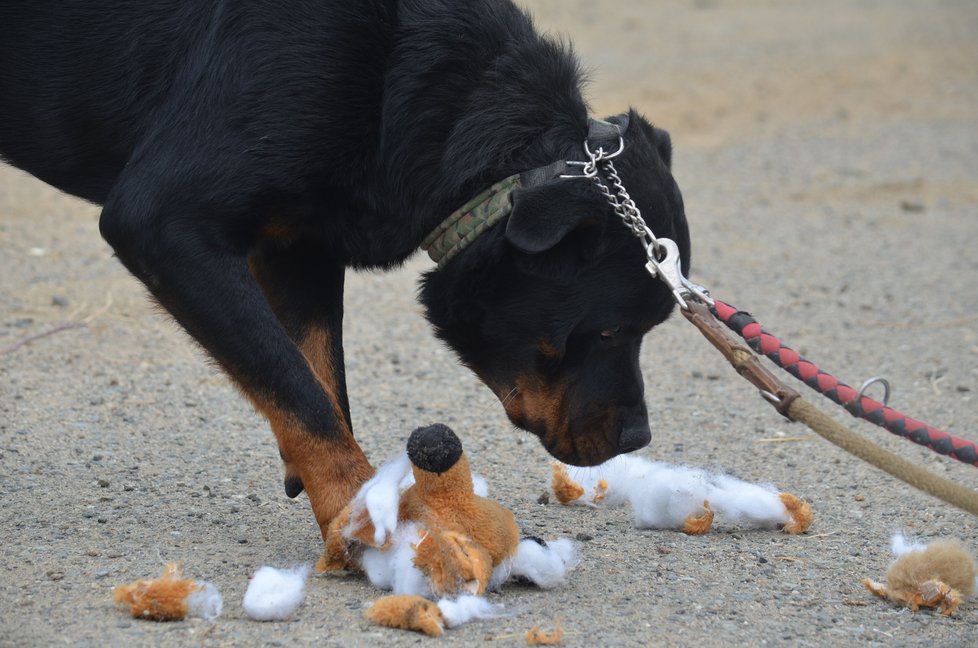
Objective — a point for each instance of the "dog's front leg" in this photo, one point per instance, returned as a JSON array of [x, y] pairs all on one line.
[[197, 268], [305, 291]]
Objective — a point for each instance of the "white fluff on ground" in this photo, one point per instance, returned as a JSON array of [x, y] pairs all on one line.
[[274, 594]]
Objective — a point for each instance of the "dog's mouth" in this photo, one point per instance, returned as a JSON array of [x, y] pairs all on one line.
[[586, 440]]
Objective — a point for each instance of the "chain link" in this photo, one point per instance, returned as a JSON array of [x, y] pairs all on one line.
[[598, 169]]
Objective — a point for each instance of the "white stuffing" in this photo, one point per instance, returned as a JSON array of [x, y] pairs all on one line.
[[274, 594], [205, 602], [900, 544], [392, 568], [479, 485], [466, 608], [381, 495], [664, 495], [545, 565]]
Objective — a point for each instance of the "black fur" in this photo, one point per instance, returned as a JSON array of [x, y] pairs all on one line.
[[312, 136]]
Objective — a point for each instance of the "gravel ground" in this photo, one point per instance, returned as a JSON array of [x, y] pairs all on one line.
[[828, 154]]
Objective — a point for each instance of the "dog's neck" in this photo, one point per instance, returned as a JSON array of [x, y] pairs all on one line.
[[473, 95]]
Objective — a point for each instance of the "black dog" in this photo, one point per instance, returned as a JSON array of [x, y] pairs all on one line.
[[246, 153]]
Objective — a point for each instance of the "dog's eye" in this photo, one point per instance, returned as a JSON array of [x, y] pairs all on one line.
[[609, 334]]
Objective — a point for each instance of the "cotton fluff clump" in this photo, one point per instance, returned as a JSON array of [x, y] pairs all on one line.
[[900, 544], [274, 594], [392, 567], [467, 608], [664, 496], [545, 564], [206, 602]]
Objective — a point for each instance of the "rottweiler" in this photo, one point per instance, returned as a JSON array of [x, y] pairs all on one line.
[[245, 154]]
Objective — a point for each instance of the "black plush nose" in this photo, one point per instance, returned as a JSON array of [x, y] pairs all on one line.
[[634, 434], [434, 448]]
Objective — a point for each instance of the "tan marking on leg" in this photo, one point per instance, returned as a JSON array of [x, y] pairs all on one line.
[[331, 469]]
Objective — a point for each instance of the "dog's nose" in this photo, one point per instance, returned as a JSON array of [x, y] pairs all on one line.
[[634, 436]]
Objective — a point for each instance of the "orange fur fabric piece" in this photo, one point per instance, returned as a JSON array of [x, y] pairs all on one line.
[[537, 637], [566, 490], [699, 524], [940, 575], [408, 612], [800, 512], [159, 599]]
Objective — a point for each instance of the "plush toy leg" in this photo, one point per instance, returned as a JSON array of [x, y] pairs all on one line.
[[932, 594], [699, 524], [800, 512], [337, 553], [878, 589], [408, 613], [566, 490], [454, 563]]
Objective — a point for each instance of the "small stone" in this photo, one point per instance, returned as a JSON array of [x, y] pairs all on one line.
[[103, 483], [584, 537], [860, 498], [92, 552], [242, 540], [55, 574], [59, 301], [910, 206], [544, 498]]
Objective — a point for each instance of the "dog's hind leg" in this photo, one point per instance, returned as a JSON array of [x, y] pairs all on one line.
[[194, 259], [306, 293]]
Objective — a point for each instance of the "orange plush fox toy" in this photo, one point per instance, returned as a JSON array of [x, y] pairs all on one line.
[[461, 537], [435, 538]]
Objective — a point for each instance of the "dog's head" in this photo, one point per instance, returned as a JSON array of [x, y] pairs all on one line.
[[549, 308]]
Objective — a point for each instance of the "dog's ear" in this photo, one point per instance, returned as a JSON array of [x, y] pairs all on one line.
[[544, 216]]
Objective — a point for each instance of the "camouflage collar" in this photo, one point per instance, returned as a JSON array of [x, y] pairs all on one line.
[[470, 220], [476, 216]]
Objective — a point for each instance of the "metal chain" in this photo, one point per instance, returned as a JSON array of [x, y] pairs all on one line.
[[664, 261], [600, 168]]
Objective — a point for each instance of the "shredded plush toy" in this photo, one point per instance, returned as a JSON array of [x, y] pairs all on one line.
[[938, 575], [420, 529], [169, 597], [665, 496]]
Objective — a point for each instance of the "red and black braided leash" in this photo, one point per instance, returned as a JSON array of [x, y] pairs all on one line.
[[762, 342]]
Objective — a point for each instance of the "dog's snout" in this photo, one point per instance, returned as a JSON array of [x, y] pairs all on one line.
[[634, 436]]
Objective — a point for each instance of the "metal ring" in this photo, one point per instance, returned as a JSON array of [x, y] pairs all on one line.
[[872, 381], [601, 155]]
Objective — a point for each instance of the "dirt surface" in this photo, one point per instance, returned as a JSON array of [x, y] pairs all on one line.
[[828, 154]]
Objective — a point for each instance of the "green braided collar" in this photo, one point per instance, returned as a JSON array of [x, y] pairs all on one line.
[[473, 218], [470, 220]]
